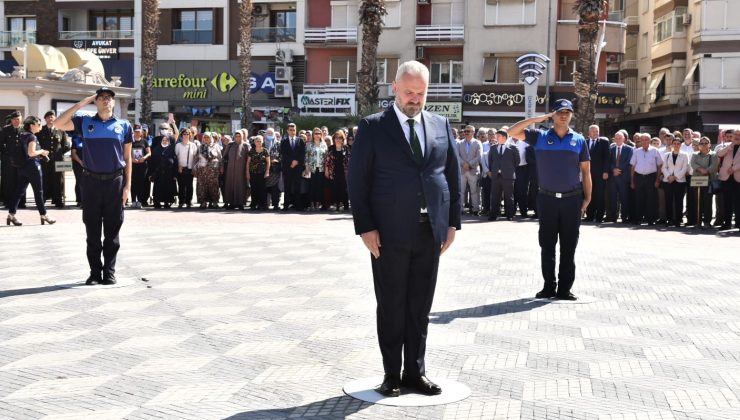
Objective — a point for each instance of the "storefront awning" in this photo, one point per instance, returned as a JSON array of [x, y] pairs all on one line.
[[690, 75], [654, 82]]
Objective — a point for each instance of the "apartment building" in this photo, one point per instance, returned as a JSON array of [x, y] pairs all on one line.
[[682, 66]]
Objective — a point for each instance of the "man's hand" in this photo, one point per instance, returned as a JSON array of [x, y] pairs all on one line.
[[632, 184], [466, 167], [605, 176], [294, 163], [543, 118], [450, 239], [584, 206], [657, 183], [617, 171], [90, 99], [372, 242]]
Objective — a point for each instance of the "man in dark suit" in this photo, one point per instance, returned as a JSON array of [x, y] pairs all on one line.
[[503, 161], [598, 147], [404, 182], [620, 155], [293, 153]]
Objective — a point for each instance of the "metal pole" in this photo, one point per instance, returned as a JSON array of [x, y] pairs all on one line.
[[549, 54], [25, 59]]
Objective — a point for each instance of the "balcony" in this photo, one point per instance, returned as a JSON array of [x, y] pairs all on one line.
[[82, 35], [632, 21], [433, 33], [601, 84], [12, 38], [316, 89], [265, 35], [192, 36], [567, 36], [445, 90], [331, 35], [616, 16], [628, 65]]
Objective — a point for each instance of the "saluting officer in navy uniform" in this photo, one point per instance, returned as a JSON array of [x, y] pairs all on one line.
[[10, 137], [57, 143], [564, 172], [106, 155]]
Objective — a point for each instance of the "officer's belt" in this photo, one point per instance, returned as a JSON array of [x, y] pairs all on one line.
[[572, 193], [104, 176]]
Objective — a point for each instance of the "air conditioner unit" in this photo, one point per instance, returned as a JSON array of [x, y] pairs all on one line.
[[687, 19], [612, 59], [283, 55], [284, 73], [282, 90], [259, 10], [420, 53]]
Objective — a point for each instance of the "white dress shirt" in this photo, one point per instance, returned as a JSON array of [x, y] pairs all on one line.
[[646, 161], [403, 119]]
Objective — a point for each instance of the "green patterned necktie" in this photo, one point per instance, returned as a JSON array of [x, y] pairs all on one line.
[[415, 144]]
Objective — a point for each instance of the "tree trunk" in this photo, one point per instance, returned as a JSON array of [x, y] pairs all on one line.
[[245, 60], [149, 38], [371, 21], [584, 79]]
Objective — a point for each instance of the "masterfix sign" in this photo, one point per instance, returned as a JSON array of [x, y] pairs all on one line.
[[327, 104]]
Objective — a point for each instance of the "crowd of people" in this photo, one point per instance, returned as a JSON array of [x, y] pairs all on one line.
[[636, 180]]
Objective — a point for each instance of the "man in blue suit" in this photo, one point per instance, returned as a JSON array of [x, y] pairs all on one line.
[[293, 153], [620, 155], [404, 185]]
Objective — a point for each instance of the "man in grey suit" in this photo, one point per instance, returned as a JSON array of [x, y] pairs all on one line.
[[503, 160], [470, 152], [403, 184]]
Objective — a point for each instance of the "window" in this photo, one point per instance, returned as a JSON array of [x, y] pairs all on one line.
[[666, 26], [386, 69], [612, 76], [566, 68], [343, 14], [342, 70], [448, 14], [498, 69], [22, 24], [193, 27], [108, 22], [510, 12], [448, 71], [393, 18]]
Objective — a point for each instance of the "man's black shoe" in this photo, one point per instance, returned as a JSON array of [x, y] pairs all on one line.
[[108, 279], [510, 218], [92, 281], [391, 386], [566, 296], [545, 294], [421, 384], [492, 218]]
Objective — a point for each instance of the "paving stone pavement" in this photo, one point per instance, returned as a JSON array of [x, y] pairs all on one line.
[[267, 316]]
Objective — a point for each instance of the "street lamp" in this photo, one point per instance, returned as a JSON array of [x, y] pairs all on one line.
[[531, 66]]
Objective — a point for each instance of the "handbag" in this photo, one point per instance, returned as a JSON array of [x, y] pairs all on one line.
[[715, 186]]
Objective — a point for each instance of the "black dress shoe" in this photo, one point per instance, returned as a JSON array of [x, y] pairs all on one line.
[[422, 385], [108, 279], [492, 218], [545, 294], [510, 218], [92, 281], [391, 386], [566, 296]]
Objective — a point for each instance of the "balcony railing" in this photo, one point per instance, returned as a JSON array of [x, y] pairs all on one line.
[[331, 35], [80, 35], [601, 84], [440, 33], [329, 88], [445, 90], [273, 35], [11, 38], [632, 21], [628, 65], [616, 16], [192, 36]]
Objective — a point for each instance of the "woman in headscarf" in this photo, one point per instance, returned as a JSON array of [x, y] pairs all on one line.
[[208, 170], [162, 172], [235, 173], [258, 170], [337, 166]]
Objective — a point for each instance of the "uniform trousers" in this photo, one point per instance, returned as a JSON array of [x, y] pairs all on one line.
[[9, 183], [29, 173], [53, 183], [674, 195], [102, 213], [405, 278], [560, 218]]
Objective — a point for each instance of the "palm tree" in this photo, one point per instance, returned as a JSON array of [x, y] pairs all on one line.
[[149, 38], [371, 20], [245, 59], [584, 78]]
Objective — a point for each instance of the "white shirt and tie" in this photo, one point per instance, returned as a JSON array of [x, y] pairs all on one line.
[[404, 120]]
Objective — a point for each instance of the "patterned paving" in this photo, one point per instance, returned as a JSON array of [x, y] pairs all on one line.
[[265, 316]]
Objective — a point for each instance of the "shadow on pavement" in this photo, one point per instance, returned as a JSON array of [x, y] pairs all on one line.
[[33, 290], [331, 408], [493, 309]]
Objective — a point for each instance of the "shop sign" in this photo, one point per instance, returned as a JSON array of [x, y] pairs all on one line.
[[224, 82], [105, 49], [500, 99], [450, 110], [327, 104]]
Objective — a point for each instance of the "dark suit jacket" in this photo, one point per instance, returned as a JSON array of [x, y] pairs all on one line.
[[624, 159], [289, 154], [599, 157], [507, 163], [385, 182]]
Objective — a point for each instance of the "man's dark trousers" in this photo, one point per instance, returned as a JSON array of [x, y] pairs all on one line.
[[405, 278], [560, 218], [520, 188], [502, 188], [102, 208], [646, 199], [485, 184]]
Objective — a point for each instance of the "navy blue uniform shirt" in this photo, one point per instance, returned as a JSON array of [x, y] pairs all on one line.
[[558, 159], [103, 142]]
